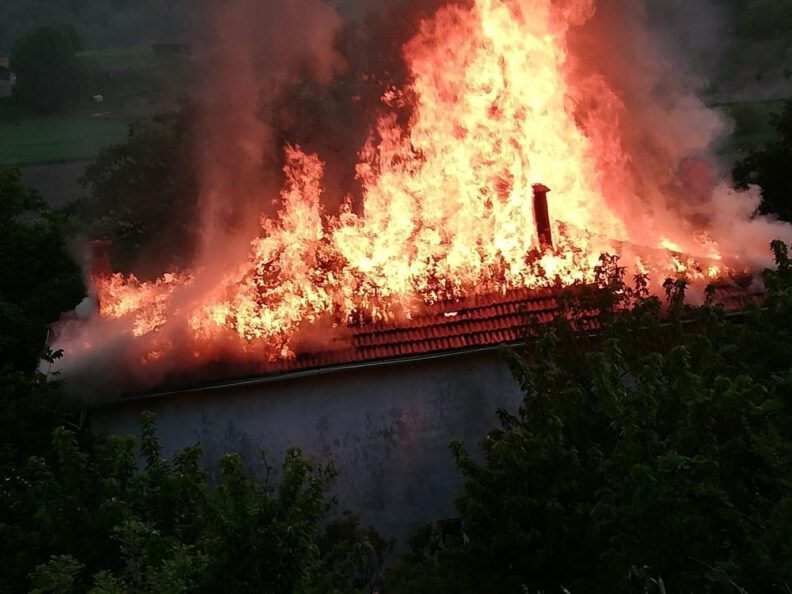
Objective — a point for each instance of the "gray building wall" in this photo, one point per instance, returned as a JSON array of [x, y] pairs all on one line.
[[385, 428]]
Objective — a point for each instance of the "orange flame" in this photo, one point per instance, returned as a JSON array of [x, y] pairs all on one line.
[[447, 205]]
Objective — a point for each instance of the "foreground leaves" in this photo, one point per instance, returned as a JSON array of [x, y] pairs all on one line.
[[81, 514], [658, 452]]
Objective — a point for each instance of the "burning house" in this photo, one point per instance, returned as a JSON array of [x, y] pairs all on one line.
[[383, 410], [367, 332], [381, 401]]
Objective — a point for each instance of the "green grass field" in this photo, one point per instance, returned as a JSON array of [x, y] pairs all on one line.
[[131, 58], [57, 139], [124, 77]]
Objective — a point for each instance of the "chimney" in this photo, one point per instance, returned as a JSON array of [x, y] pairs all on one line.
[[100, 258], [542, 216]]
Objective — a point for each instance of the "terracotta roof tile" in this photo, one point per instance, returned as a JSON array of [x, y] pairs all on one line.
[[481, 321]]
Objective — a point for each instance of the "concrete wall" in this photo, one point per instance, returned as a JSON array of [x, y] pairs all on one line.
[[386, 429]]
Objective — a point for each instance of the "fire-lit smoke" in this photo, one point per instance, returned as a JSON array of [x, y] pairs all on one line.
[[503, 95], [255, 47], [653, 137]]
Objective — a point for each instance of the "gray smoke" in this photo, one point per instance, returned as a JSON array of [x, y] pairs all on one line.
[[673, 185]]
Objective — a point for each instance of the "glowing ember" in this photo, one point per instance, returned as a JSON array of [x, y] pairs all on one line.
[[447, 201]]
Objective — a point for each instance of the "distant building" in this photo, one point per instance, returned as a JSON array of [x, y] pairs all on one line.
[[7, 78]]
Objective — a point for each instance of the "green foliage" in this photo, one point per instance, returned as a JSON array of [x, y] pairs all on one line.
[[749, 118], [74, 37], [655, 456], [768, 167], [39, 279], [143, 194], [84, 512], [57, 576], [762, 19], [50, 77]]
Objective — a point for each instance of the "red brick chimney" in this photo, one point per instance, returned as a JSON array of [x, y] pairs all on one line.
[[100, 257], [542, 216]]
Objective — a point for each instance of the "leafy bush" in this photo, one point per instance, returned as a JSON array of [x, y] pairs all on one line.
[[769, 168], [143, 195], [38, 280], [655, 456], [50, 77], [749, 118], [80, 513]]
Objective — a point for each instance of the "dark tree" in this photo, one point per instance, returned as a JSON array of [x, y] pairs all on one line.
[[769, 168], [50, 76], [74, 37], [84, 512], [143, 195], [763, 19], [38, 279], [654, 457]]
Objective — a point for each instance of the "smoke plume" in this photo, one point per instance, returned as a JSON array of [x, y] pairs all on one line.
[[638, 87], [255, 48]]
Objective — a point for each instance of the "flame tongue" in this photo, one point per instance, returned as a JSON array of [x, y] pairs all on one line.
[[447, 207]]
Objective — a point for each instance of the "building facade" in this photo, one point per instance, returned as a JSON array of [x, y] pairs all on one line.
[[386, 427]]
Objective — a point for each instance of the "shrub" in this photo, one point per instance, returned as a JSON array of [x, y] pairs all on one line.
[[655, 456]]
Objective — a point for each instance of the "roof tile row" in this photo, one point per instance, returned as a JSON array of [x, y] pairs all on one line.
[[481, 321]]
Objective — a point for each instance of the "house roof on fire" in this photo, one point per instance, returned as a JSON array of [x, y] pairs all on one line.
[[480, 323]]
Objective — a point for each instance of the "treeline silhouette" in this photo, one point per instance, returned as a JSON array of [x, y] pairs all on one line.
[[100, 23]]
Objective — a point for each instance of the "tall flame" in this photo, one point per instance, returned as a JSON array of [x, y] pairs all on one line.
[[446, 208]]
